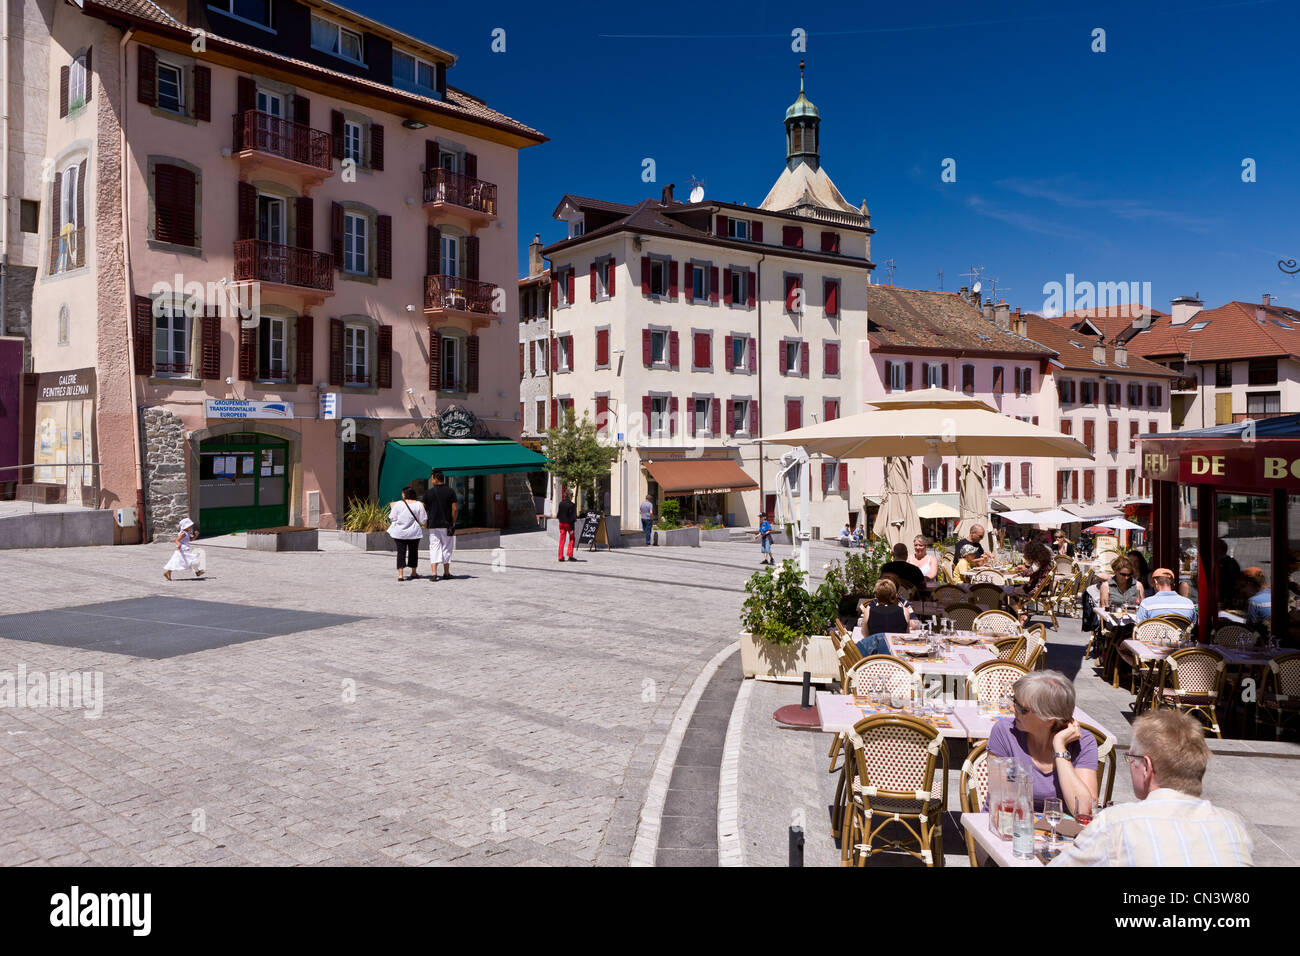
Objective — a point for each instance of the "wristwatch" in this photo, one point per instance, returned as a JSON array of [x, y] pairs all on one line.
[[1060, 753]]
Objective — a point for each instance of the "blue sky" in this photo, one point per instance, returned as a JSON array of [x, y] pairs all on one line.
[[1122, 166]]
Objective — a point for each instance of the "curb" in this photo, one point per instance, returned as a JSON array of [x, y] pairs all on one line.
[[646, 845], [731, 844]]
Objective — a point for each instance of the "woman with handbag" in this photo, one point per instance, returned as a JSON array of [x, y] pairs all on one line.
[[406, 522]]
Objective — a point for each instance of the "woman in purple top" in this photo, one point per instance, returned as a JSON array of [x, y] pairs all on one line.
[[1046, 736]]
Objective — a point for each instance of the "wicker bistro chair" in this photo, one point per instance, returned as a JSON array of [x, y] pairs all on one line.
[[946, 573], [962, 616], [1065, 566], [1039, 601], [1008, 646], [1032, 654], [988, 576], [992, 680], [1107, 760], [947, 594], [1065, 599], [1191, 680], [986, 594], [1143, 674], [900, 777], [996, 622], [1279, 693], [974, 789], [1229, 634]]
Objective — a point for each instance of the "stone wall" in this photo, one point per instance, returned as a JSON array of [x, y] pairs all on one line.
[[19, 281], [166, 491]]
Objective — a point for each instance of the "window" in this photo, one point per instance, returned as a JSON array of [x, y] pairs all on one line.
[[329, 37], [1112, 393], [352, 142], [565, 352], [450, 356], [1223, 375], [934, 374], [898, 377], [1155, 394], [791, 357], [356, 365], [171, 341], [577, 228], [450, 263], [700, 283], [602, 277], [271, 350], [997, 477], [968, 379], [738, 229], [659, 423], [254, 11], [77, 83], [29, 216], [65, 320], [269, 102], [540, 416], [539, 357], [930, 478], [739, 286], [740, 353], [354, 244], [700, 420], [739, 409], [658, 347], [1263, 403], [1134, 395], [1262, 371], [270, 219], [414, 75], [171, 88], [1088, 393], [658, 277], [1065, 391]]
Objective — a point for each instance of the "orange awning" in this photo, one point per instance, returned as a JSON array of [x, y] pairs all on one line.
[[700, 476]]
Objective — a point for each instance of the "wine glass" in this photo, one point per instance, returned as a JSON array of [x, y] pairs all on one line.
[[1085, 808], [1053, 810]]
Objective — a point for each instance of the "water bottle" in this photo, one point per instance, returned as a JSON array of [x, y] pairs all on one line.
[[1022, 829]]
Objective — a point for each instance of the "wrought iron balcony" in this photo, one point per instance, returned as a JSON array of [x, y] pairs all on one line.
[[258, 132], [454, 294], [1184, 383], [276, 264], [474, 195]]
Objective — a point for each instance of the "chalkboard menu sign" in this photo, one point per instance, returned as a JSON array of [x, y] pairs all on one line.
[[593, 528]]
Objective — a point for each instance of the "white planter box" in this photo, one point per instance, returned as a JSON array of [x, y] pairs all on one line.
[[368, 541], [814, 653], [678, 538]]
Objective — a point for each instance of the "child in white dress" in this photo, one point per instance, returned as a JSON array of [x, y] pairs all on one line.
[[183, 559]]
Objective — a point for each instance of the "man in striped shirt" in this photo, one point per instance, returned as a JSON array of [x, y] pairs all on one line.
[[1171, 825], [1166, 600]]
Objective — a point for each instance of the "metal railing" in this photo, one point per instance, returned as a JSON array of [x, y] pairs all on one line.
[[178, 369], [67, 251], [273, 262], [94, 480], [458, 294], [442, 185], [267, 133]]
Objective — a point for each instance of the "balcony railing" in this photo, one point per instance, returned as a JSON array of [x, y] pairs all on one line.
[[1257, 416], [263, 261], [441, 185], [171, 369], [267, 133], [455, 294], [1184, 383], [359, 378], [68, 251]]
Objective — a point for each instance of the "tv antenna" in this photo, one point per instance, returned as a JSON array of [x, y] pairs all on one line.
[[889, 267], [940, 280], [697, 190], [974, 276], [993, 288]]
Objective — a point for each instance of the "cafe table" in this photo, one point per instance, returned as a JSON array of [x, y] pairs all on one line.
[[955, 661], [979, 826], [840, 712], [979, 727]]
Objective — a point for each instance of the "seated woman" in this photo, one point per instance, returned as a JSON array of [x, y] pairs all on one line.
[[1046, 737], [1126, 588], [884, 615], [923, 559], [1141, 569], [1039, 563]]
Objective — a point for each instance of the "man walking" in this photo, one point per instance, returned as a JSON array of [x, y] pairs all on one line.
[[568, 515], [441, 506], [647, 517]]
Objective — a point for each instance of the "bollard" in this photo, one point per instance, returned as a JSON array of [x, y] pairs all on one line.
[[796, 846], [807, 689]]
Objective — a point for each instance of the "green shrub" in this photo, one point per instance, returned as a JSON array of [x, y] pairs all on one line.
[[365, 516], [670, 515], [780, 610], [862, 568]]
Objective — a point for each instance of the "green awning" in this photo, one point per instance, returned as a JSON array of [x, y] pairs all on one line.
[[411, 459]]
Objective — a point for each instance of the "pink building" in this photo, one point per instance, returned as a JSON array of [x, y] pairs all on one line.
[[276, 246]]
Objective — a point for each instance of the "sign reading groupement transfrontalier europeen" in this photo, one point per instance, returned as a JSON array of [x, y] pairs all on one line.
[[241, 409]]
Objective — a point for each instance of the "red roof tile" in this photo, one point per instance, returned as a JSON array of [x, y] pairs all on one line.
[[1074, 350], [1231, 331], [941, 322]]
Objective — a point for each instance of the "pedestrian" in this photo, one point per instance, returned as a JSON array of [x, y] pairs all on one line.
[[442, 510], [765, 538], [647, 517], [183, 559], [567, 512], [406, 523]]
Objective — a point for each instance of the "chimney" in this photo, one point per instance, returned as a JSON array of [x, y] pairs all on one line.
[[1121, 353], [1183, 308], [1268, 300], [667, 199], [988, 311], [1002, 315], [1099, 351], [1022, 324], [535, 265], [964, 293]]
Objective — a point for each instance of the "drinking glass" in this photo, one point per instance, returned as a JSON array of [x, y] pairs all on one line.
[[982, 706], [878, 692], [1053, 810], [1084, 810]]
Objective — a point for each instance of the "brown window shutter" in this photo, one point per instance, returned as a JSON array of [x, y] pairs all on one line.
[[1024, 476], [609, 291], [64, 71], [647, 356], [301, 109], [81, 195], [944, 476], [471, 353], [751, 286], [435, 361], [376, 147], [306, 228], [336, 235], [143, 335], [689, 284], [247, 211], [471, 166], [146, 76], [384, 240], [336, 133], [336, 352], [210, 347], [593, 282], [384, 357], [523, 359], [183, 205], [673, 350], [245, 94], [90, 73], [907, 377], [726, 287], [472, 262], [945, 374], [203, 94], [430, 155], [756, 231], [164, 199], [433, 251], [247, 353], [305, 374], [722, 226], [555, 413], [645, 275]]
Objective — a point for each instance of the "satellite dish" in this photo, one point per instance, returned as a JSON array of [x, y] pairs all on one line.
[[976, 287], [697, 194]]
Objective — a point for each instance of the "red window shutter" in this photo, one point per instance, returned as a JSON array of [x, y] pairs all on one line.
[[832, 298], [247, 353], [336, 233], [645, 275], [672, 416], [1112, 483], [612, 272], [689, 285], [1024, 476], [700, 352], [793, 413], [471, 364], [143, 335], [803, 358], [593, 282], [602, 346], [384, 240], [471, 166], [555, 354], [569, 284], [753, 355], [336, 352], [830, 242], [647, 411], [780, 357], [889, 375], [376, 147], [690, 418], [751, 287], [791, 290], [728, 359], [384, 360], [828, 410], [210, 347], [945, 374], [943, 472], [672, 349], [64, 77], [555, 292], [716, 414], [722, 226], [306, 229], [907, 377], [1089, 430], [336, 132], [672, 278], [602, 413], [756, 231], [1151, 427], [1067, 426], [831, 361], [731, 417], [844, 476], [755, 419], [647, 356], [726, 287], [925, 480], [146, 77], [555, 413], [432, 251], [713, 284], [435, 360], [792, 236], [573, 354], [523, 359], [203, 94]]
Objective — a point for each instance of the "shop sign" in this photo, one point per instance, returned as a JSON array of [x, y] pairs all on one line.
[[456, 422], [329, 406], [1262, 465], [240, 409]]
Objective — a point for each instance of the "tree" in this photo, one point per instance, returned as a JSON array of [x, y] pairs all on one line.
[[576, 457]]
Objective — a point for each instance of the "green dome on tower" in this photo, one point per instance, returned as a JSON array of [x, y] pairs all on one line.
[[802, 107], [801, 122]]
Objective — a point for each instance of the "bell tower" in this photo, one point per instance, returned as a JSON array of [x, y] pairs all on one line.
[[801, 130]]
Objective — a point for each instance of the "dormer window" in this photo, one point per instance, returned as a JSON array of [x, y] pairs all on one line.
[[251, 11], [576, 228], [413, 74], [330, 37], [738, 229]]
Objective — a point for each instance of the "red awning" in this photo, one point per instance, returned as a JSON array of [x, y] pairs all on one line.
[[700, 476]]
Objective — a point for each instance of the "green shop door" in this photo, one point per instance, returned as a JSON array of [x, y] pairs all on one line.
[[243, 483]]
